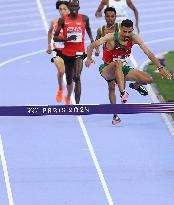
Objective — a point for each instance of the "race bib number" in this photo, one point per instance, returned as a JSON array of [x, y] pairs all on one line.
[[59, 44], [119, 58], [78, 36], [53, 54]]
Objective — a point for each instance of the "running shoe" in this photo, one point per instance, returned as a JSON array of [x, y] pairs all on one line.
[[67, 100], [59, 96], [141, 89], [116, 120], [124, 97]]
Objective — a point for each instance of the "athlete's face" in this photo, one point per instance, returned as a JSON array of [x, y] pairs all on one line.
[[74, 7], [126, 32], [110, 18], [63, 9]]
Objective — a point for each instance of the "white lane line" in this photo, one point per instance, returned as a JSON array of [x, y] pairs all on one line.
[[160, 40], [21, 31], [152, 41], [92, 8], [168, 14], [97, 21], [52, 13], [21, 57], [19, 16], [6, 175], [102, 21], [22, 41], [157, 22], [139, 3], [157, 30], [27, 23], [154, 98], [17, 4], [2, 154], [84, 130], [150, 3], [155, 8], [41, 29], [18, 10]]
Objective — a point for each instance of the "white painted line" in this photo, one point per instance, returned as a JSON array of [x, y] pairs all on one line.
[[155, 100], [22, 41], [151, 42], [82, 4], [151, 3], [89, 9], [20, 16], [168, 14], [26, 23], [18, 4], [102, 21], [21, 57], [157, 22], [5, 171], [157, 30], [160, 40], [18, 10], [153, 8], [53, 13], [85, 133], [21, 31]]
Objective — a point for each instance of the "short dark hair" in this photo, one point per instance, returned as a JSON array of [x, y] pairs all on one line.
[[109, 9], [59, 2], [75, 0], [127, 23]]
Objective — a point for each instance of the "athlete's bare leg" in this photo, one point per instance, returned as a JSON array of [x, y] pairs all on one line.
[[139, 77], [112, 99], [59, 63], [111, 89], [77, 73], [114, 71], [69, 70]]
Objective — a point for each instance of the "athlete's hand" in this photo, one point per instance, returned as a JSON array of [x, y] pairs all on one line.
[[165, 73], [88, 62], [98, 14], [71, 38], [49, 51], [97, 52]]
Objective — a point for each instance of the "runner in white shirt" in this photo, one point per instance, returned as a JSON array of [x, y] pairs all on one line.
[[121, 7], [55, 48]]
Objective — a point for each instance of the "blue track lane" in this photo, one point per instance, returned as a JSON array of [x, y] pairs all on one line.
[[48, 159]]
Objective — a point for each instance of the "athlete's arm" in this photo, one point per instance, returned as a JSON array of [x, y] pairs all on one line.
[[49, 50], [102, 40], [60, 26], [132, 6], [103, 3], [88, 28], [163, 72], [98, 36]]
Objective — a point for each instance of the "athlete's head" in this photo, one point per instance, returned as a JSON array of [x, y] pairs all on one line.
[[110, 15], [62, 6], [126, 29], [74, 6]]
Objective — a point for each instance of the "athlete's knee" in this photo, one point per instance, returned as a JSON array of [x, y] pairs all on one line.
[[118, 63], [69, 81], [149, 80], [76, 79], [61, 72], [111, 86]]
